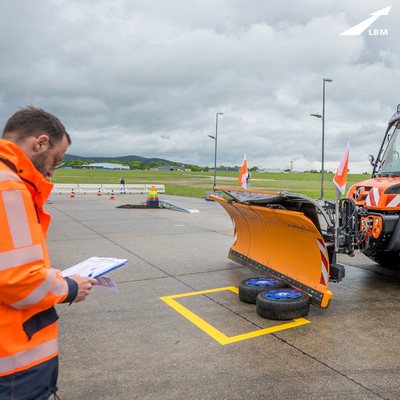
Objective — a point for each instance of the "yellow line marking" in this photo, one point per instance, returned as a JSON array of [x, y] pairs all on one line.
[[215, 333]]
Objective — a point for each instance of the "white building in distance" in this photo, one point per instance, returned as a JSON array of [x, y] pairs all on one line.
[[104, 166]]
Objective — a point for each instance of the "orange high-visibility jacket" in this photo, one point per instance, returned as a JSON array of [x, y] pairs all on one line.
[[29, 287]]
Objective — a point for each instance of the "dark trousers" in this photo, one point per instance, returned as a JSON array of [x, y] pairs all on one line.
[[36, 383]]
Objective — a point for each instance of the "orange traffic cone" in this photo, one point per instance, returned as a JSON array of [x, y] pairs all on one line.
[[112, 195], [72, 194], [152, 200], [99, 193]]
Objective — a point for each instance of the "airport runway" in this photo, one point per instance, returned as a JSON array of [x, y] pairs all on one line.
[[133, 345]]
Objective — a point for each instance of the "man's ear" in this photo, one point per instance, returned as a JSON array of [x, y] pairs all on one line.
[[41, 143]]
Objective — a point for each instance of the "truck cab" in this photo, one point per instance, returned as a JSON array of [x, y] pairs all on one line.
[[378, 201]]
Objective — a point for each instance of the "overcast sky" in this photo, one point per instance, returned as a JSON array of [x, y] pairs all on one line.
[[148, 77]]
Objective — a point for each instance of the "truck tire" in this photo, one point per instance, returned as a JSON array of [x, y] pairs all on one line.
[[282, 304], [250, 288]]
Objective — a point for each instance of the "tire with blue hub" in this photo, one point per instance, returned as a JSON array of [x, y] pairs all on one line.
[[250, 288], [282, 304]]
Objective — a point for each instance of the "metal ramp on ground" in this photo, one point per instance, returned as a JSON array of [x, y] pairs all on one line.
[[172, 205]]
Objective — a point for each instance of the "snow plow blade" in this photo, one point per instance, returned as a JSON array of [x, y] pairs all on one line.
[[279, 234]]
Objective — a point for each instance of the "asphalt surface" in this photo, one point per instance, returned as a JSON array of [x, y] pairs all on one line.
[[133, 345]]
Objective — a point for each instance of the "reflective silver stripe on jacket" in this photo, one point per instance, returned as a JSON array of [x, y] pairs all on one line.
[[23, 358], [17, 219], [60, 288], [39, 293], [17, 257], [8, 176]]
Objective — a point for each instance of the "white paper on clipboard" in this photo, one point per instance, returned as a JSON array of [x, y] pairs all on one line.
[[94, 266]]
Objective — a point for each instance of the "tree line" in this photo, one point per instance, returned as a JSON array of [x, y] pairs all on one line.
[[142, 165], [134, 164]]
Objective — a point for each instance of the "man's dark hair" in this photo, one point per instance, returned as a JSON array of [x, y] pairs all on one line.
[[30, 121]]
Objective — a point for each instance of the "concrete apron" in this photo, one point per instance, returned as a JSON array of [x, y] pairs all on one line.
[[133, 345]]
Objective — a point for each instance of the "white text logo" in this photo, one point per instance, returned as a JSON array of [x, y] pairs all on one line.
[[363, 25]]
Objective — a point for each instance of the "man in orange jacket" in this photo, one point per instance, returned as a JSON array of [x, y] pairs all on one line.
[[34, 143]]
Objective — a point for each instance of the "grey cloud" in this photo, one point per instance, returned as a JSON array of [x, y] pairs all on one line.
[[146, 78]]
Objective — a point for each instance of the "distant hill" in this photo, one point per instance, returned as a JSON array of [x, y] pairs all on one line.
[[71, 157]]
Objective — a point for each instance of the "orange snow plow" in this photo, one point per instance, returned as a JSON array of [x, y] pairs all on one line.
[[295, 239], [280, 234]]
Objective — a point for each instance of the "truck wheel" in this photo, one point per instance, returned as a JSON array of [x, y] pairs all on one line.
[[250, 288], [282, 304]]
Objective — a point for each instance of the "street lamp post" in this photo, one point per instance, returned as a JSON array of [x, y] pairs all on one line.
[[323, 133], [215, 153]]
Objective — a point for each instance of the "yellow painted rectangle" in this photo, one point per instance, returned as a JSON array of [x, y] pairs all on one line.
[[215, 333]]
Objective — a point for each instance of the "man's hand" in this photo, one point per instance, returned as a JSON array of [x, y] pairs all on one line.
[[84, 285]]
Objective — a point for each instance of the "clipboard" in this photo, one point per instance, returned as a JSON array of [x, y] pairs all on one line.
[[95, 266]]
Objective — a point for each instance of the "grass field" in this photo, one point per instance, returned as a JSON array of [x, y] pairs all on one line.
[[196, 184]]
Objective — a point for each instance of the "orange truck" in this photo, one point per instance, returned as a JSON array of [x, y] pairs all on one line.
[[294, 239]]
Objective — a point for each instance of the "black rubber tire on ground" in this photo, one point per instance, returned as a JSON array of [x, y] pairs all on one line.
[[250, 288], [282, 304]]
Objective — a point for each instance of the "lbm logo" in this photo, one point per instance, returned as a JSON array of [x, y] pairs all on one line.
[[363, 25]]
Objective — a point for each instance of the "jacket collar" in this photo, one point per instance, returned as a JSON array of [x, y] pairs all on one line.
[[39, 186]]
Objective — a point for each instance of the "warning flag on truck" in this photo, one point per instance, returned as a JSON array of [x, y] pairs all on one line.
[[244, 175], [341, 173]]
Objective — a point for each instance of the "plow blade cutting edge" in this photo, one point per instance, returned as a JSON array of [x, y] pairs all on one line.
[[274, 240]]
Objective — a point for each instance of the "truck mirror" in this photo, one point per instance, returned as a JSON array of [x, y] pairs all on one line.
[[371, 159]]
